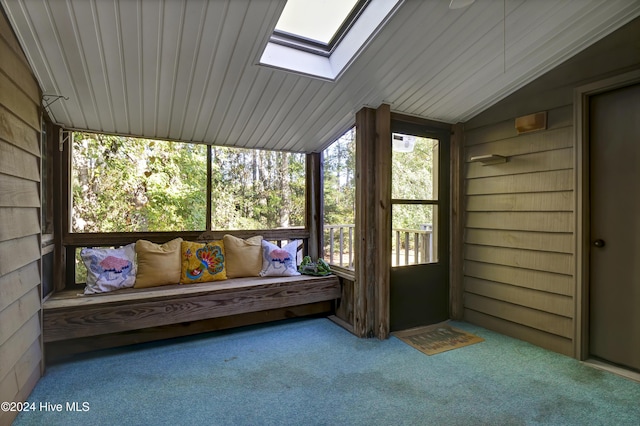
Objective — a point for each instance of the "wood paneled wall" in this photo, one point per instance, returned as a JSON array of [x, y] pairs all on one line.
[[519, 256], [20, 299], [518, 239]]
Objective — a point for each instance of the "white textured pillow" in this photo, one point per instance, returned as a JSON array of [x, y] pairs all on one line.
[[109, 269], [279, 262]]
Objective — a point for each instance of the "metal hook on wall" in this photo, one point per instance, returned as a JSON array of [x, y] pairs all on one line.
[[48, 100]]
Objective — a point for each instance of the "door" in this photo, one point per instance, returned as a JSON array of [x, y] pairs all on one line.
[[419, 278], [614, 276]]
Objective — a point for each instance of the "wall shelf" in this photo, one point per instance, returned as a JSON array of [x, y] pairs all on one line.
[[488, 159]]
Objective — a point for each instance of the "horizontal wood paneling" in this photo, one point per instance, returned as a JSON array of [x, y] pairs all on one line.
[[21, 105], [27, 369], [542, 301], [537, 280], [559, 159], [20, 298], [519, 231], [524, 221], [557, 180], [540, 241], [18, 283], [17, 192], [528, 202], [543, 321], [12, 351], [528, 143], [18, 70], [540, 338], [19, 252], [19, 222], [16, 162], [18, 133], [528, 259], [557, 118], [16, 314]]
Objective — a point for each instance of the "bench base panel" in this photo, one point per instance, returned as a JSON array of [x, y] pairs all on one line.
[[59, 350]]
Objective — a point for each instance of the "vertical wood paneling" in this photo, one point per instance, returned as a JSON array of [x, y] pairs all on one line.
[[365, 224], [383, 226], [188, 70], [20, 301], [519, 259]]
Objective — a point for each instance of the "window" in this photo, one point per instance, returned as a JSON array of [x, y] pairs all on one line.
[[309, 41], [339, 200], [414, 197], [316, 25], [257, 189], [123, 184]]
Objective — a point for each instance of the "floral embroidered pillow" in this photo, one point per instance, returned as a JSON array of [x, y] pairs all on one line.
[[109, 269], [279, 262], [202, 262]]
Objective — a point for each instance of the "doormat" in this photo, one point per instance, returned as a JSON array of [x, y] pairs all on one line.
[[437, 338]]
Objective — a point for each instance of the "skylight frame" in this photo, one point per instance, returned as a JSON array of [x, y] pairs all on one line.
[[296, 41], [330, 65]]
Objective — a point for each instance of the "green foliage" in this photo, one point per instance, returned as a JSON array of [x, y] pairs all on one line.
[[339, 180], [413, 179], [122, 184]]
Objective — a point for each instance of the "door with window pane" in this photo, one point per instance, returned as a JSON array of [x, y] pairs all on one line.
[[419, 225]]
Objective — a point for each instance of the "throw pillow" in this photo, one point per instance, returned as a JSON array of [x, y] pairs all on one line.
[[279, 262], [109, 269], [158, 264], [203, 262], [243, 257]]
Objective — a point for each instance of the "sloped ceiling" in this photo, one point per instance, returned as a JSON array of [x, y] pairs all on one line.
[[186, 69]]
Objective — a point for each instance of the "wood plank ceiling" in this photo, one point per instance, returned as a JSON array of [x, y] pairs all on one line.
[[187, 69]]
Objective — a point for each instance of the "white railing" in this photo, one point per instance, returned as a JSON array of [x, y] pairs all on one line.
[[408, 246], [338, 240], [411, 247]]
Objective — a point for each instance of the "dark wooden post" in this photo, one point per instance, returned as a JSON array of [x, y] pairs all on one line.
[[314, 204], [373, 222], [383, 214], [61, 152], [456, 307], [365, 224]]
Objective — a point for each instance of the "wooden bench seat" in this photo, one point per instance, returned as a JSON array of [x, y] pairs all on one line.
[[69, 315]]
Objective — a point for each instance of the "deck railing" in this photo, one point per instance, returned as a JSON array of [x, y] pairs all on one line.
[[408, 246], [339, 246]]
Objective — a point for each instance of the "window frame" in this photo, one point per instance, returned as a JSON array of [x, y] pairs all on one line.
[[66, 241], [316, 47]]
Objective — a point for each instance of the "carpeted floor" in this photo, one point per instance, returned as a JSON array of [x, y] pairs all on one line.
[[312, 372]]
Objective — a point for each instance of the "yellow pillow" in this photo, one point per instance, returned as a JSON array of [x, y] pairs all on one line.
[[158, 264], [244, 257], [202, 262]]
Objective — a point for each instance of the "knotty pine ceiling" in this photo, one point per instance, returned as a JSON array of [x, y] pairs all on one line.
[[187, 69]]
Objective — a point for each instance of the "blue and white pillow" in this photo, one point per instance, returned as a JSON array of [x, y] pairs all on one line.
[[109, 269], [279, 261]]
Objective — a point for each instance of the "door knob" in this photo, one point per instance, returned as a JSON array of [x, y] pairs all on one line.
[[598, 243]]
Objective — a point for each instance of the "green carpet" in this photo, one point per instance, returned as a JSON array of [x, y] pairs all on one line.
[[312, 372]]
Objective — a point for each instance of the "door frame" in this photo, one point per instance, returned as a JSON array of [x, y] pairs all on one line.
[[582, 242], [436, 295]]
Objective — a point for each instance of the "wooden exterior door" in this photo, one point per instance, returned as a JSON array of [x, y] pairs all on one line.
[[614, 271]]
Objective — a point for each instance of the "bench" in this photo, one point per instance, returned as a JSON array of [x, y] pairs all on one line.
[[73, 322], [67, 315]]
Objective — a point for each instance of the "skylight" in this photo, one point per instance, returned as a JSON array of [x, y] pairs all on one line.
[[317, 20], [321, 38]]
